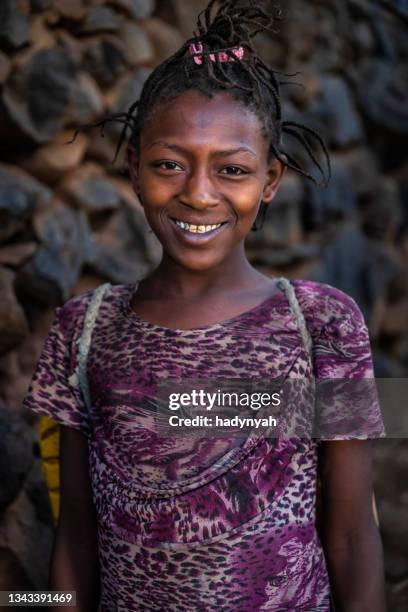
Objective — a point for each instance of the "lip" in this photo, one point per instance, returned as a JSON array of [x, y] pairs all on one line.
[[197, 238]]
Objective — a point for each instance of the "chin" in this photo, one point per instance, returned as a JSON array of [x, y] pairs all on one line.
[[197, 264]]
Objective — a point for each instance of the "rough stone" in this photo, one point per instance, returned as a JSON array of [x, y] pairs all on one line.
[[51, 162], [87, 101], [5, 67], [383, 94], [335, 109], [138, 9], [90, 189], [337, 201], [104, 58], [15, 254], [40, 5], [71, 9], [120, 251], [55, 268], [28, 540], [373, 268], [126, 92], [135, 44], [20, 196], [38, 97], [13, 325], [165, 39], [101, 19], [14, 25], [40, 36], [16, 455]]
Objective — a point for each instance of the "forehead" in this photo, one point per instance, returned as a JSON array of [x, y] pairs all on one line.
[[193, 117]]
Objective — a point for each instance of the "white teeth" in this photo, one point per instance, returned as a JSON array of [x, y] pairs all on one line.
[[197, 229]]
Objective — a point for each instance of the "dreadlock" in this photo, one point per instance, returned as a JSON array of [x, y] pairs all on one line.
[[250, 80]]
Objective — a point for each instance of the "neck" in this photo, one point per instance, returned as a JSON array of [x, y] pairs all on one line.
[[172, 279]]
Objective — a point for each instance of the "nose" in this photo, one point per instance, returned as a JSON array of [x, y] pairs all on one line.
[[199, 190]]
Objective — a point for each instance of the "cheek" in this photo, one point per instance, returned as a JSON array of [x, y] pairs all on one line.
[[155, 192], [246, 198]]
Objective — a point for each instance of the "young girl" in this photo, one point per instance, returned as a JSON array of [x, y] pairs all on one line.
[[152, 522]]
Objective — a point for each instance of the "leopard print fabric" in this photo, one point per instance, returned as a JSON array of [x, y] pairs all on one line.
[[197, 524]]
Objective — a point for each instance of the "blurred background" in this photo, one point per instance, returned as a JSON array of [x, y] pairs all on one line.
[[69, 219]]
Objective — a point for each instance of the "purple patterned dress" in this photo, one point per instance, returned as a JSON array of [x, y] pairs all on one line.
[[184, 524]]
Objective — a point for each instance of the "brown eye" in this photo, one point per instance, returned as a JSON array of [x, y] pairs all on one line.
[[233, 171], [168, 165]]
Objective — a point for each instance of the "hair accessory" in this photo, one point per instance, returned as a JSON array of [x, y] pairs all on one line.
[[196, 50]]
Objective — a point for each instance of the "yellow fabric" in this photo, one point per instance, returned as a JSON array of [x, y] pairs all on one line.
[[49, 446]]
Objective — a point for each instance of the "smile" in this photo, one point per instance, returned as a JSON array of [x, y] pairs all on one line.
[[197, 229]]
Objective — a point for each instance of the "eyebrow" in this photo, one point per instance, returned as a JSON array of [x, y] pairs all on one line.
[[223, 153]]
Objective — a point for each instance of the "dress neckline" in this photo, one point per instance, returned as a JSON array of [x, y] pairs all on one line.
[[272, 300]]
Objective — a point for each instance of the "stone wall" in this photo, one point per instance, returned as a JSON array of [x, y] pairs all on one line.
[[70, 221]]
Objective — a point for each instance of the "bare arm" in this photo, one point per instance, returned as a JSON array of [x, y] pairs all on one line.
[[74, 563], [350, 536]]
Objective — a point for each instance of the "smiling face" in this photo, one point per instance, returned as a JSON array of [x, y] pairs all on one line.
[[203, 162]]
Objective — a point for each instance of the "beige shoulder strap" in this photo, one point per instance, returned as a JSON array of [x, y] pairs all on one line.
[[79, 377]]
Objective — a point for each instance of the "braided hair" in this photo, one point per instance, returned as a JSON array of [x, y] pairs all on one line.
[[248, 78]]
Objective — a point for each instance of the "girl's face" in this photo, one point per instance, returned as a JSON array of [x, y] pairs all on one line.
[[203, 162]]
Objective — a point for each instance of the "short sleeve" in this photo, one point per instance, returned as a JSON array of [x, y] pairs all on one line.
[[50, 392], [347, 404]]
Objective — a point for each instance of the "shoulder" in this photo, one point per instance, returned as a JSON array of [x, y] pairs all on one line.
[[326, 306], [71, 314]]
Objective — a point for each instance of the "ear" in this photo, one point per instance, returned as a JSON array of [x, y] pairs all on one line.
[[275, 174], [133, 165]]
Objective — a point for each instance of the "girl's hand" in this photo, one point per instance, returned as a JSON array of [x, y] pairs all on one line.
[[349, 533]]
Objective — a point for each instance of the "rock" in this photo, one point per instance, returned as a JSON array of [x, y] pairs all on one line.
[[90, 189], [40, 36], [282, 226], [16, 455], [14, 25], [126, 92], [364, 169], [138, 9], [395, 320], [20, 196], [52, 161], [384, 95], [15, 254], [382, 211], [101, 19], [38, 96], [104, 59], [302, 96], [373, 268], [5, 67], [50, 275], [29, 540], [137, 222], [120, 252], [12, 574], [70, 45], [335, 109], [87, 101], [166, 40], [135, 44], [337, 201], [184, 14], [70, 9], [13, 325], [40, 5]]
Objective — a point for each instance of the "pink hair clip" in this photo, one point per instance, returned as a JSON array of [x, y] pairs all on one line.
[[196, 50]]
